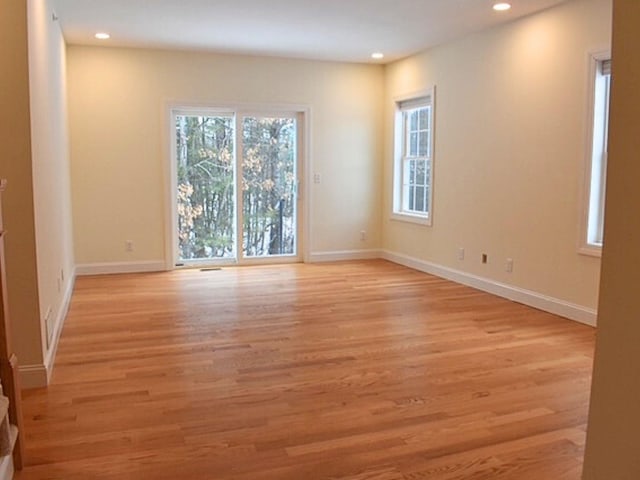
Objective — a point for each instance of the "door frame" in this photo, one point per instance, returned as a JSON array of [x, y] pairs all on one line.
[[303, 116]]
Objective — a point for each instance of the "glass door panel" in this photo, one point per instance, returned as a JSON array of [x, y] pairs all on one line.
[[206, 194], [269, 184]]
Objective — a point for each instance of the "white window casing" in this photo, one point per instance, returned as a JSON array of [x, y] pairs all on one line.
[[413, 158], [592, 224]]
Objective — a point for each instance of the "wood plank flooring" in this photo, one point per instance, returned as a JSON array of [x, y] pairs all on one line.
[[347, 371]]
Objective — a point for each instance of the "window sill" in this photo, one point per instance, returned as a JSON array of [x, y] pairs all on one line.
[[590, 250], [408, 218]]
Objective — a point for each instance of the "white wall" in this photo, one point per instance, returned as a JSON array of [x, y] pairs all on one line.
[[51, 175], [511, 123], [117, 105]]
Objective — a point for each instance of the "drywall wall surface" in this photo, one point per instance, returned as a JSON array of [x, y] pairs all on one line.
[[118, 110], [510, 142], [614, 417], [50, 163]]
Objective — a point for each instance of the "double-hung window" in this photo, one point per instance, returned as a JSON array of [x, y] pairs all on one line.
[[413, 169], [596, 168]]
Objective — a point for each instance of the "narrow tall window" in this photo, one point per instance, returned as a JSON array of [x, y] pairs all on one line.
[[413, 170], [597, 160]]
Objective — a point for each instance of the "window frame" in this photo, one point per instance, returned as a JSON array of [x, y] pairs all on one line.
[[593, 192], [401, 159]]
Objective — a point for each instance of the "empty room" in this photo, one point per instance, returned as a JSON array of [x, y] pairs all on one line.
[[355, 240]]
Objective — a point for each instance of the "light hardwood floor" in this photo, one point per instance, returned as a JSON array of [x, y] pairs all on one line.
[[348, 371]]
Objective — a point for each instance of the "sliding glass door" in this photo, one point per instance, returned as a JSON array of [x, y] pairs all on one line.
[[269, 183], [206, 187], [236, 187]]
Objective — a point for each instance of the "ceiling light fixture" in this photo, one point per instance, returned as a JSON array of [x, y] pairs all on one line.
[[501, 7], [102, 36], [377, 55]]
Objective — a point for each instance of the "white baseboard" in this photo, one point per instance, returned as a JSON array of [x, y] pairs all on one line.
[[50, 356], [33, 376], [527, 297], [39, 375], [120, 267], [342, 255]]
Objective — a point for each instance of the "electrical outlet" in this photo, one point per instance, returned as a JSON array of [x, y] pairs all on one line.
[[363, 235], [508, 266], [317, 178], [128, 246], [461, 253]]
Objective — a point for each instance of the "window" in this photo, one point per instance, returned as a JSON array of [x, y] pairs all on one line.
[[413, 166], [597, 155]]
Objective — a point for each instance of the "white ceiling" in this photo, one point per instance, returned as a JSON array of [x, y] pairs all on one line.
[[342, 30]]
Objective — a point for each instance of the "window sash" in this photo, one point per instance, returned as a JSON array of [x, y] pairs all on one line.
[[415, 185], [595, 216], [416, 158]]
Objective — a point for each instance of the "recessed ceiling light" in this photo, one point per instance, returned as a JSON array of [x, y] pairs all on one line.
[[377, 55], [501, 7], [102, 36]]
